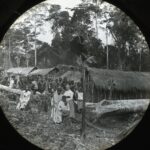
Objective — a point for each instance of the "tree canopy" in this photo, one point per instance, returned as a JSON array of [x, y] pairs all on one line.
[[76, 33]]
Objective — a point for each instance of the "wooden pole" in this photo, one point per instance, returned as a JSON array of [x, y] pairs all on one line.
[[140, 66], [96, 25], [9, 57], [35, 52], [107, 51], [83, 110], [92, 92]]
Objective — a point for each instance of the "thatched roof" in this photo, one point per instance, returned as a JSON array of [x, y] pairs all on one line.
[[21, 70], [41, 72], [124, 81], [72, 75], [66, 67]]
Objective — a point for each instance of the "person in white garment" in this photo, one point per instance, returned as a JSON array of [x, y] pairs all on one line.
[[80, 100], [24, 99], [12, 82], [63, 109], [69, 98], [54, 105]]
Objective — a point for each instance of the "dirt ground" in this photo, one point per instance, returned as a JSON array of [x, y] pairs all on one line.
[[39, 129]]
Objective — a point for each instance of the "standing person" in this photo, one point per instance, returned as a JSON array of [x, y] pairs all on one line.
[[64, 82], [75, 98], [12, 82], [43, 85], [72, 85], [63, 109], [60, 81], [24, 99], [22, 83], [50, 88], [46, 83], [54, 103], [80, 100], [34, 86], [40, 85], [17, 81], [69, 98], [5, 81]]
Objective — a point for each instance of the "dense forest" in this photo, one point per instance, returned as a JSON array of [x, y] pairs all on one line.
[[127, 51]]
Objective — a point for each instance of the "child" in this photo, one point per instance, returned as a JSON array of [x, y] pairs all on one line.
[[63, 108]]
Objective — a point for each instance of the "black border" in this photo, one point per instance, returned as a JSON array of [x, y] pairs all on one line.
[[138, 10]]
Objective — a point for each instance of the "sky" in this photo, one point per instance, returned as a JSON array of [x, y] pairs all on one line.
[[46, 35], [65, 3]]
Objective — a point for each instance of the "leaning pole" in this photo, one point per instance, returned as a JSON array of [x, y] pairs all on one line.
[[83, 126]]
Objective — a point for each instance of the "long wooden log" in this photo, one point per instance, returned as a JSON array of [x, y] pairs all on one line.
[[8, 89], [124, 105], [133, 105], [121, 106]]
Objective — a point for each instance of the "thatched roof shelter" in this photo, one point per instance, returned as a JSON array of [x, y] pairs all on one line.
[[72, 75], [41, 72], [67, 67], [21, 70], [123, 80]]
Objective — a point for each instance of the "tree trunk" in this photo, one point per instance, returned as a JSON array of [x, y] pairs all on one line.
[[83, 111], [135, 106], [8, 89]]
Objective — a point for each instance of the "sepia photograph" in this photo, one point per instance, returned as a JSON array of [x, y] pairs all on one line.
[[74, 75]]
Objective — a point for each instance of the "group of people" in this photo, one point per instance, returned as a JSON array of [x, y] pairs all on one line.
[[66, 103], [65, 96], [38, 84]]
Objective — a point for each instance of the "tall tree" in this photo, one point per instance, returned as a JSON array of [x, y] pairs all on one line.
[[125, 34]]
